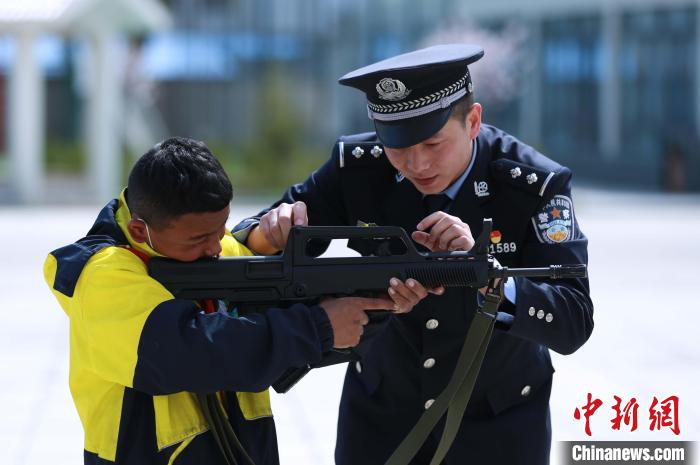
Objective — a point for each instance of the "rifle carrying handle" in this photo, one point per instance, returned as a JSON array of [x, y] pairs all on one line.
[[301, 235]]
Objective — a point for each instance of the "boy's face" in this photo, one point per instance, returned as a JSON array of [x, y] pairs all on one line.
[[187, 237]]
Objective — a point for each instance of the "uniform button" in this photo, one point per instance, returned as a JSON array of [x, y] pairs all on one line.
[[428, 403], [432, 323], [549, 318], [429, 363], [526, 390], [358, 367], [531, 311], [540, 314]]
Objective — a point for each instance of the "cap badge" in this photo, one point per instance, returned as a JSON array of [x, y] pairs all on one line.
[[392, 89]]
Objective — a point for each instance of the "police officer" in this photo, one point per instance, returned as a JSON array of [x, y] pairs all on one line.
[[434, 168]]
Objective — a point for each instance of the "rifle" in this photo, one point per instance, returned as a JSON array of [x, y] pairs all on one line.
[[259, 282]]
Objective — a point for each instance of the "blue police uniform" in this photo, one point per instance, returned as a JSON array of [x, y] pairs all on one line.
[[404, 368]]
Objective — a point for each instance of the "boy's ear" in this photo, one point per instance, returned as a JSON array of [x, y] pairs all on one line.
[[137, 229]]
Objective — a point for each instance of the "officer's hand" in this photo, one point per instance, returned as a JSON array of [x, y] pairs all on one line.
[[348, 317], [497, 282], [407, 295], [440, 232], [270, 236]]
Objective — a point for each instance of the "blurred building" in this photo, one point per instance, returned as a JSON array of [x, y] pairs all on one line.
[[615, 87], [608, 87]]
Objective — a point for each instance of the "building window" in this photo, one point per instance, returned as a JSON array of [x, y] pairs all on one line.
[[658, 63], [571, 76]]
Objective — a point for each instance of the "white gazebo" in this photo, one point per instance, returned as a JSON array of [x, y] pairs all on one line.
[[102, 23]]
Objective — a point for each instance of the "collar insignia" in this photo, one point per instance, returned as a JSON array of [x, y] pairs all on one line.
[[481, 189]]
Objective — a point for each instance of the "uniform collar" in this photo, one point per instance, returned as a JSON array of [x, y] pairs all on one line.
[[454, 188], [479, 179], [123, 216]]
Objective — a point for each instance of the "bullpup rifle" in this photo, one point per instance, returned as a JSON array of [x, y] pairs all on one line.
[[254, 283]]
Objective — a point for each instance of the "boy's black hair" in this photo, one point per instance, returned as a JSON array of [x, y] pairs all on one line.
[[175, 177]]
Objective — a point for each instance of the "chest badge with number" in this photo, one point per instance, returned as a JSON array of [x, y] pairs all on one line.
[[497, 246]]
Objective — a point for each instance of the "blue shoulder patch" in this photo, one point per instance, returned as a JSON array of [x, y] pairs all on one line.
[[555, 221]]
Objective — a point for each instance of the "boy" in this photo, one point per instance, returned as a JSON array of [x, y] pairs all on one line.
[[138, 354]]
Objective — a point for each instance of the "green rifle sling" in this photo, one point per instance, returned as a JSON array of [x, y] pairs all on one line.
[[221, 429], [455, 397]]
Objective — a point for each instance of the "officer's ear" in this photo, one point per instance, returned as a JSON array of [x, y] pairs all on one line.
[[137, 229], [473, 122]]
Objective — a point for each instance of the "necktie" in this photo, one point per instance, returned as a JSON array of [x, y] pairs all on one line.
[[435, 202]]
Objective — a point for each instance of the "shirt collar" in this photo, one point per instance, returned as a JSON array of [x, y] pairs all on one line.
[[454, 188]]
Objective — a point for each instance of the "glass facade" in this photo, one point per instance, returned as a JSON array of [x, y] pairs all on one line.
[[571, 77], [658, 73]]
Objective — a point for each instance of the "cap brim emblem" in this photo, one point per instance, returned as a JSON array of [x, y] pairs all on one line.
[[392, 89]]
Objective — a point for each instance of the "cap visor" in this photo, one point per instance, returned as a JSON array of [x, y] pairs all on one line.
[[407, 132]]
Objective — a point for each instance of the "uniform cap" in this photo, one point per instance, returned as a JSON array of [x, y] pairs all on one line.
[[410, 96]]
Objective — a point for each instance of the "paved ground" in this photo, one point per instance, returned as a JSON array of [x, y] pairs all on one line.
[[644, 254]]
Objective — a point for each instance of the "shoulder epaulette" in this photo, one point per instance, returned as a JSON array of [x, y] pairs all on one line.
[[522, 176], [360, 154]]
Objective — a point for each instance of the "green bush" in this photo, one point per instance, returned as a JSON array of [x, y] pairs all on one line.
[[277, 155], [255, 171], [64, 156]]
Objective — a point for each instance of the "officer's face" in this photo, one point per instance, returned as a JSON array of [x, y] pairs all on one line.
[[189, 236], [437, 162]]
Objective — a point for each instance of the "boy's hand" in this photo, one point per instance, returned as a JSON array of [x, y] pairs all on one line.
[[348, 317]]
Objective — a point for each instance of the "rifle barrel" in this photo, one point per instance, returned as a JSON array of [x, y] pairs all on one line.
[[552, 271]]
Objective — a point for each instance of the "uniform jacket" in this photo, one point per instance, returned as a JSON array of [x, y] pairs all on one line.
[[528, 197], [137, 353]]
